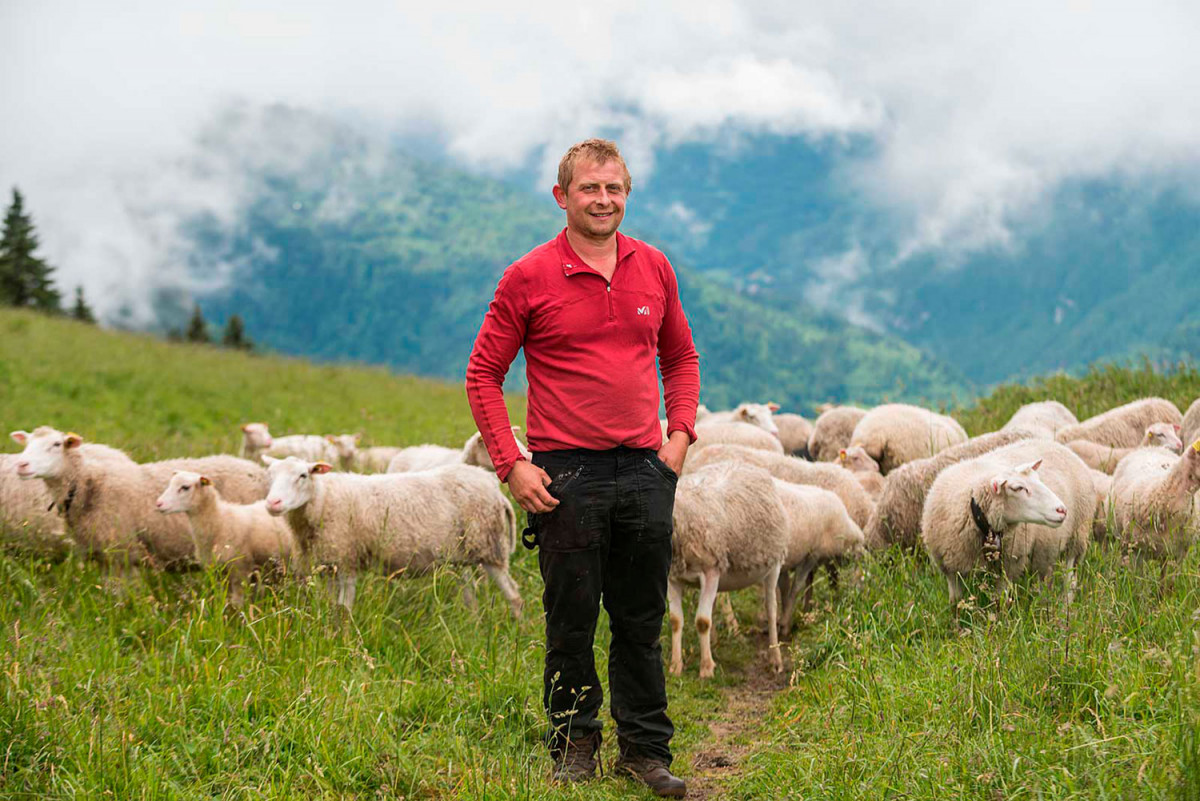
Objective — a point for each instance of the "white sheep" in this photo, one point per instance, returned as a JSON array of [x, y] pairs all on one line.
[[1191, 423], [346, 447], [798, 471], [756, 414], [27, 517], [398, 522], [896, 433], [107, 501], [832, 431], [748, 436], [1154, 501], [1124, 426], [1043, 418], [1105, 458], [1026, 505], [427, 457], [258, 442], [243, 538], [794, 433], [730, 532], [1102, 482], [864, 469], [896, 518], [819, 531]]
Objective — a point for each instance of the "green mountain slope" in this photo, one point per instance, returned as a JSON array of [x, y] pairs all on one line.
[[389, 259]]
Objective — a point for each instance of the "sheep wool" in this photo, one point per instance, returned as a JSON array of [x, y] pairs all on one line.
[[27, 517], [744, 434], [896, 433], [896, 518], [1043, 418], [1124, 426], [1154, 501], [1190, 428], [400, 523], [788, 468], [999, 491], [832, 431], [819, 530], [864, 469], [730, 533], [794, 433]]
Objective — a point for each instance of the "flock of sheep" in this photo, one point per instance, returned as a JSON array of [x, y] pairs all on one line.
[[764, 499]]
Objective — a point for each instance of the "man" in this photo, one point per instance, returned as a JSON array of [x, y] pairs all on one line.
[[592, 308]]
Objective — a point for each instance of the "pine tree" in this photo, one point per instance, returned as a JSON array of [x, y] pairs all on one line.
[[24, 278], [81, 310], [235, 335], [197, 330]]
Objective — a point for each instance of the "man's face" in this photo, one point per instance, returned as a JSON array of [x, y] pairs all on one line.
[[595, 200]]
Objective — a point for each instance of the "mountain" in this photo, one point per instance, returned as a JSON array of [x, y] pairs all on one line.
[[367, 253], [1100, 270]]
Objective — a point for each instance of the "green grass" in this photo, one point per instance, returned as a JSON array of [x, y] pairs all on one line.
[[144, 687]]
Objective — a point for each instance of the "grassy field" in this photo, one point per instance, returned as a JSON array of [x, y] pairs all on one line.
[[146, 688]]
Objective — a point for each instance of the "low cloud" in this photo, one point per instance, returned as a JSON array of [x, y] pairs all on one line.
[[974, 112]]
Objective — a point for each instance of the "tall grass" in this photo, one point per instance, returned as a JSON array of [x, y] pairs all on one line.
[[145, 687]]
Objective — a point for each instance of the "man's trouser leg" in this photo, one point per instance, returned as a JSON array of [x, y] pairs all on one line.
[[572, 550], [635, 589]]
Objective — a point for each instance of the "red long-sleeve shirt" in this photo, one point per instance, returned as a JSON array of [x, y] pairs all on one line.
[[590, 346]]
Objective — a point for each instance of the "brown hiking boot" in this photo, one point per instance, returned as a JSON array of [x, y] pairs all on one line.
[[577, 762], [654, 774]]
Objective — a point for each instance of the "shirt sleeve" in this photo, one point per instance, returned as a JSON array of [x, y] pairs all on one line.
[[500, 337], [678, 361]]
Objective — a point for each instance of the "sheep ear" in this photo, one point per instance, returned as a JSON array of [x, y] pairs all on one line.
[[1178, 430], [1033, 467], [330, 438], [321, 467], [20, 436], [245, 428], [998, 485], [72, 440], [773, 406], [268, 460], [515, 429], [205, 481], [357, 437]]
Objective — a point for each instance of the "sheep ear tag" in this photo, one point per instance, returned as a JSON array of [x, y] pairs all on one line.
[[321, 467], [205, 481], [72, 440], [1196, 446]]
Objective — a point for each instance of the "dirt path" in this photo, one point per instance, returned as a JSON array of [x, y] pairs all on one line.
[[720, 756]]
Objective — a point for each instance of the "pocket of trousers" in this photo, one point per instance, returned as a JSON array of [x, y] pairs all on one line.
[[663, 469]]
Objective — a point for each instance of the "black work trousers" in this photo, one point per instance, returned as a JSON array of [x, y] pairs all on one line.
[[609, 540]]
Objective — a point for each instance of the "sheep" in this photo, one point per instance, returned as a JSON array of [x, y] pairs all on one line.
[[896, 518], [896, 433], [1043, 418], [346, 446], [243, 538], [107, 501], [749, 436], [1191, 422], [27, 517], [788, 468], [1102, 483], [427, 457], [1105, 458], [399, 522], [730, 532], [756, 414], [819, 531], [794, 433], [1154, 501], [258, 442], [832, 431], [1028, 505], [864, 469], [1124, 426]]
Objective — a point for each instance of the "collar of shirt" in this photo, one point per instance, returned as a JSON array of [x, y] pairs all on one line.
[[571, 263]]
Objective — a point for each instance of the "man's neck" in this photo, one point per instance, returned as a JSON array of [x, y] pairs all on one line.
[[600, 254]]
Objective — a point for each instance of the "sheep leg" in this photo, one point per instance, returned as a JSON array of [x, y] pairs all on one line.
[[808, 590], [675, 602], [508, 587], [709, 581], [1071, 582], [801, 578], [345, 588], [770, 582], [468, 589], [957, 590]]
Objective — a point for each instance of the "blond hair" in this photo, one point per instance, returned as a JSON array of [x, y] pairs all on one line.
[[600, 151]]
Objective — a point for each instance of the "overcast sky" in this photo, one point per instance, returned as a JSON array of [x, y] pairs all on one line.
[[977, 109]]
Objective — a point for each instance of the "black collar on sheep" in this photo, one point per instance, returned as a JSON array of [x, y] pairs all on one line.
[[991, 538], [65, 506]]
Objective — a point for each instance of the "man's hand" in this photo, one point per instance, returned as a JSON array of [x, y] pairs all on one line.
[[673, 453], [527, 482]]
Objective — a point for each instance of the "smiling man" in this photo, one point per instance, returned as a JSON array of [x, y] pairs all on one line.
[[593, 308]]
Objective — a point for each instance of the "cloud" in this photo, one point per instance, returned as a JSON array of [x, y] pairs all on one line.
[[975, 112]]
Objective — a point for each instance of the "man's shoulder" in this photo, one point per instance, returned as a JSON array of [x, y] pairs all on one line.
[[540, 258], [646, 251]]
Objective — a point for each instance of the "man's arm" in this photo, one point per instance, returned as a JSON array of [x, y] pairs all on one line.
[[680, 366], [500, 337]]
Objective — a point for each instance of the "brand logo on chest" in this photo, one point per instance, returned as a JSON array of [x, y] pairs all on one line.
[[643, 310]]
